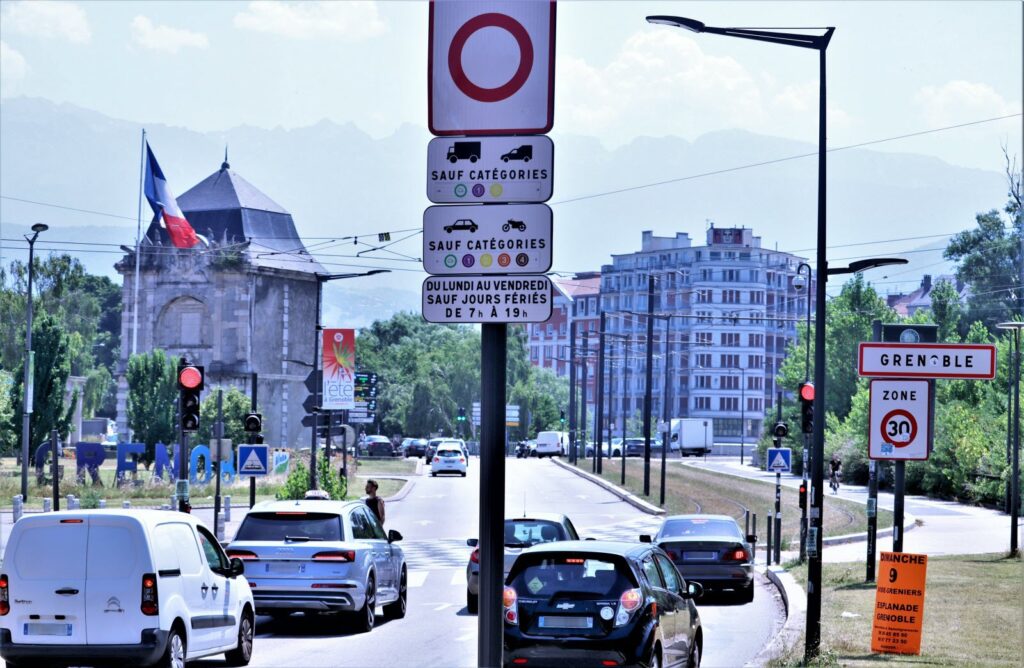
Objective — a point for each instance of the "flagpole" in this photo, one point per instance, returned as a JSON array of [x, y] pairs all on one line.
[[138, 244]]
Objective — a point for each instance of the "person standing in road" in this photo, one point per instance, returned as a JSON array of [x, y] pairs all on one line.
[[374, 502]]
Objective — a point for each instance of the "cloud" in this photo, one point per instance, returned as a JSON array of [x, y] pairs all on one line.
[[661, 82], [65, 20], [165, 38], [13, 68], [354, 21], [960, 101]]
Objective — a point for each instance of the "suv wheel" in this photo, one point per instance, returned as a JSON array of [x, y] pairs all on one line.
[[365, 619], [242, 653], [396, 610]]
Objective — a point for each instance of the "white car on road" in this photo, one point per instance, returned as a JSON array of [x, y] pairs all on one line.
[[129, 587], [322, 556], [449, 458]]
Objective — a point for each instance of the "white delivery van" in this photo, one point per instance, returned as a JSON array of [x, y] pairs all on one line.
[[129, 587], [552, 443], [692, 436]]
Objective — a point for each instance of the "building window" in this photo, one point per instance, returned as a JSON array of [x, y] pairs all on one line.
[[534, 350], [731, 339], [730, 296], [730, 382], [728, 403], [704, 296], [702, 403], [756, 341], [561, 329], [550, 329], [753, 404], [704, 338], [755, 361], [731, 361], [755, 382], [702, 382], [704, 361], [757, 297], [704, 316]]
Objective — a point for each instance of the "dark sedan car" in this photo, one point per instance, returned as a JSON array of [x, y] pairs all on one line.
[[380, 446], [588, 603], [711, 550], [414, 447]]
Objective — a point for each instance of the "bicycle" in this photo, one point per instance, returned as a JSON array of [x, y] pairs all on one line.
[[833, 482]]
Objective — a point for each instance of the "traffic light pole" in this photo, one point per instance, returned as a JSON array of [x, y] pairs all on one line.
[[572, 388], [493, 355], [599, 426], [872, 509], [648, 400], [583, 391], [218, 431], [252, 440]]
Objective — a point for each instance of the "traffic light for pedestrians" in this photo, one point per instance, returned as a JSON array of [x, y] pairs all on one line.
[[253, 423], [807, 407], [781, 430], [190, 385], [462, 414], [562, 418], [803, 496]]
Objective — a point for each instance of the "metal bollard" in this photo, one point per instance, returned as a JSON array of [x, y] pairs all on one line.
[[18, 506], [219, 525], [71, 501], [102, 503], [126, 504], [165, 507], [227, 509], [174, 501], [778, 539], [47, 505], [753, 548], [768, 545]]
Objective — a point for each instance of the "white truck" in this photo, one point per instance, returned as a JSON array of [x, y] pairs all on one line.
[[692, 436], [551, 444]]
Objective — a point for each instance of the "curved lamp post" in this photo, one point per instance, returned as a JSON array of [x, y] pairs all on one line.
[[26, 402]]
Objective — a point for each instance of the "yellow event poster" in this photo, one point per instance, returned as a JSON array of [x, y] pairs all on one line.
[[899, 603], [339, 369]]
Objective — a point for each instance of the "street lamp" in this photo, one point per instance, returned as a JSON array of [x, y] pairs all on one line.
[[320, 280], [1015, 470], [820, 44], [27, 386]]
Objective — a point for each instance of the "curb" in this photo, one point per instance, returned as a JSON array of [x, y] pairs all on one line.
[[909, 521], [629, 498], [402, 493], [795, 600]]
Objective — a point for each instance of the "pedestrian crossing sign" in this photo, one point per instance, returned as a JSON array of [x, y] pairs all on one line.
[[252, 459], [780, 460]]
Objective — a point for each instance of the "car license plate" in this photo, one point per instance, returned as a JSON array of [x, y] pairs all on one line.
[[47, 629], [562, 622], [287, 568], [699, 556]]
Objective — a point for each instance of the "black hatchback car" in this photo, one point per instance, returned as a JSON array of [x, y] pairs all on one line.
[[590, 603]]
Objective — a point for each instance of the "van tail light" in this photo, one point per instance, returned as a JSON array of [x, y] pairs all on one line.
[[244, 555], [629, 603], [738, 554], [150, 605], [461, 460], [335, 555], [475, 555], [437, 460], [5, 595], [508, 600]]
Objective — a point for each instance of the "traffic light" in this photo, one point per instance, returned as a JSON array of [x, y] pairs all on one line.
[[803, 496], [462, 414], [807, 407], [190, 385], [562, 418], [253, 423], [781, 430]]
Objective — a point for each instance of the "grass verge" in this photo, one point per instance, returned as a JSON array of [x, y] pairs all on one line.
[[371, 467], [972, 614], [689, 490]]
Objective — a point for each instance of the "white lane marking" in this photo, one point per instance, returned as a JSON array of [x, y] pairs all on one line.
[[458, 577], [443, 606], [417, 578], [424, 523], [465, 637]]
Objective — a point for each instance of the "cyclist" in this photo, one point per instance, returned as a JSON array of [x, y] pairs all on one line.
[[835, 471]]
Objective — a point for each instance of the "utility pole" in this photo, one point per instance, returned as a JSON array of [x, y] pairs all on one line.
[[583, 389], [599, 429], [627, 400], [28, 382], [572, 387], [647, 392], [666, 406]]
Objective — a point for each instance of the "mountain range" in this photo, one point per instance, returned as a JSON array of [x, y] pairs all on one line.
[[338, 181]]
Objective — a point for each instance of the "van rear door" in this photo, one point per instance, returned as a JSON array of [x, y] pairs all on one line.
[[117, 559], [46, 570]]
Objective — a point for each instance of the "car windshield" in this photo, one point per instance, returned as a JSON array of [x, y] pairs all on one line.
[[290, 526], [449, 453], [700, 527], [525, 532], [419, 441], [573, 576]]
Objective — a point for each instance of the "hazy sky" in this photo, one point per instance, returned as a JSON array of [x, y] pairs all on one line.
[[894, 68]]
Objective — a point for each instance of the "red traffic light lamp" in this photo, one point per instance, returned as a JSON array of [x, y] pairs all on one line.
[[803, 495], [807, 391], [190, 378]]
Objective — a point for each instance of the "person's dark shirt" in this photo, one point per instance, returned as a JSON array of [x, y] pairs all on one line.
[[373, 503], [835, 465]]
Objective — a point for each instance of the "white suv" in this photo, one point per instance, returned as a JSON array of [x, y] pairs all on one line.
[[133, 587]]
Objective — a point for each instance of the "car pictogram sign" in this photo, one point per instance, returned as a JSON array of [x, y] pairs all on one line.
[[898, 419], [491, 67]]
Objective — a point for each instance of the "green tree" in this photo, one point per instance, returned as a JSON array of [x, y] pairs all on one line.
[[99, 386], [152, 389], [51, 369], [236, 405], [8, 434], [946, 311]]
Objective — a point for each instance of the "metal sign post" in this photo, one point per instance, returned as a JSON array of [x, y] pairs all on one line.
[[492, 491]]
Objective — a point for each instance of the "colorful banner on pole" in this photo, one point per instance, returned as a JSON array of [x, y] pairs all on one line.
[[899, 603], [338, 369]]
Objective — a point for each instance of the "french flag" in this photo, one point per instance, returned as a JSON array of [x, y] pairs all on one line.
[[165, 206]]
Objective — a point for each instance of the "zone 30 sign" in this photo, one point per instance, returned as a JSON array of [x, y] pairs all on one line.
[[898, 419]]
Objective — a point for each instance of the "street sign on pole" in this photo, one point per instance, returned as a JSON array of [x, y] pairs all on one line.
[[491, 68], [483, 299], [780, 460], [898, 420], [471, 239], [253, 459], [927, 360], [490, 169]]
